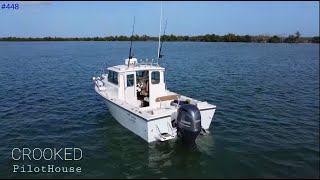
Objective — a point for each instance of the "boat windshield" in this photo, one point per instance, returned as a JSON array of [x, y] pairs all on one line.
[[113, 77], [142, 74]]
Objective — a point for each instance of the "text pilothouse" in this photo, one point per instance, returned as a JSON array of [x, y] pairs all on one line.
[[46, 154]]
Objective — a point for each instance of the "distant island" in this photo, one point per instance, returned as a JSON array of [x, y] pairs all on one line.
[[295, 38]]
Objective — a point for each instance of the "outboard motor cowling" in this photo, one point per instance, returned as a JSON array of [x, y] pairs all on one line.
[[188, 123]]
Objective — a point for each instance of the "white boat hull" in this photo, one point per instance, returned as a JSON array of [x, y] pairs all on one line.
[[130, 121], [149, 129]]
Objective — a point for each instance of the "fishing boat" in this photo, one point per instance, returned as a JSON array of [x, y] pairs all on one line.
[[136, 95]]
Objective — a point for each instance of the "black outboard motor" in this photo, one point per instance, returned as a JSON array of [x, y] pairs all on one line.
[[188, 123]]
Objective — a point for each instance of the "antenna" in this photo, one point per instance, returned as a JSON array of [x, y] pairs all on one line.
[[130, 56], [160, 33], [164, 31]]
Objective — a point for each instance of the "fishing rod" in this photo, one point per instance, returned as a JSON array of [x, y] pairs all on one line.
[[159, 35], [130, 56], [164, 32]]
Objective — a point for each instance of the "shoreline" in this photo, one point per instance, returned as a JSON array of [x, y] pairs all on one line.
[[166, 41], [173, 38]]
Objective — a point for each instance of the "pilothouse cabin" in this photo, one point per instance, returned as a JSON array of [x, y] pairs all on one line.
[[138, 84]]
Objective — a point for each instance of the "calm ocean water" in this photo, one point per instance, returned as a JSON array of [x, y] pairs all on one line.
[[266, 124]]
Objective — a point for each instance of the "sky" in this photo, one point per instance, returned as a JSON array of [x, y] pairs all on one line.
[[190, 18]]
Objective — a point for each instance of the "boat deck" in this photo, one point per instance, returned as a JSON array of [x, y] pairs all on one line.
[[151, 113]]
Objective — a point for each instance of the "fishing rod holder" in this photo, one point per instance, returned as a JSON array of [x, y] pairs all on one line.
[[146, 63]]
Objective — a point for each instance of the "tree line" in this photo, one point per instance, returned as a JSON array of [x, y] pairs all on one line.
[[294, 38]]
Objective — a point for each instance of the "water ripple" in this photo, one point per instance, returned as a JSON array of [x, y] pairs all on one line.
[[266, 124]]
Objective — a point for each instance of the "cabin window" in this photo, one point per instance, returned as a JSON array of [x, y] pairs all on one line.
[[139, 73], [155, 77], [130, 80], [142, 74], [113, 77]]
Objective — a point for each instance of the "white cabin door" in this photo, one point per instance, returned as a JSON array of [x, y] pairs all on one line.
[[130, 90]]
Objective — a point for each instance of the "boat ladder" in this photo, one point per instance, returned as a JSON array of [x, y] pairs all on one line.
[[164, 136]]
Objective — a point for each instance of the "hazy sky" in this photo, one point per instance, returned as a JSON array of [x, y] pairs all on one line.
[[90, 19]]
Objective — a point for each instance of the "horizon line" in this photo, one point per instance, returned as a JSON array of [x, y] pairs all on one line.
[[268, 35]]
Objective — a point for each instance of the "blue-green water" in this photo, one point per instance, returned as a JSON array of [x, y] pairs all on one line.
[[266, 124]]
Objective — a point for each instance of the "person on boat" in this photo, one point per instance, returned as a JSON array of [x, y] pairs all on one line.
[[145, 88]]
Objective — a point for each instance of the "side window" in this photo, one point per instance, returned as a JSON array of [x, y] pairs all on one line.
[[113, 77], [155, 77], [110, 76], [130, 80]]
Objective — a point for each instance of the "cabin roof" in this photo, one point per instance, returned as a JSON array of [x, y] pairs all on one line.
[[125, 68]]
